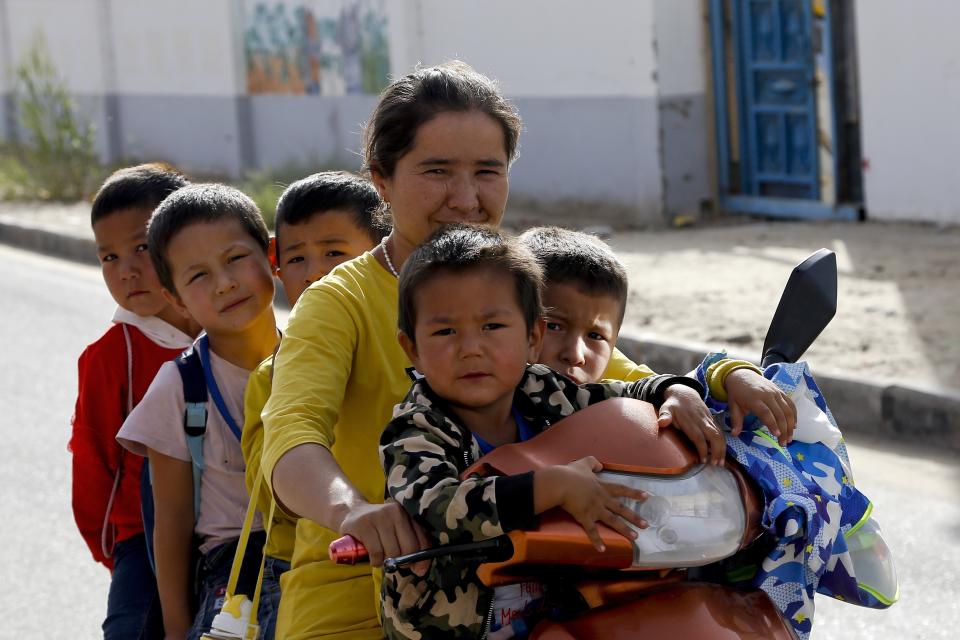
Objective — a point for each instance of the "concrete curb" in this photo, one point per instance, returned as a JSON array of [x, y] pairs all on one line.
[[930, 417], [48, 242], [873, 407]]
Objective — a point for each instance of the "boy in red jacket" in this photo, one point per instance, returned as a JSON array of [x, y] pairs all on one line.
[[114, 373]]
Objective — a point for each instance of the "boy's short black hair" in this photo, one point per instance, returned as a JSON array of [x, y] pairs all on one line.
[[458, 248], [328, 190], [143, 186], [200, 203], [580, 259]]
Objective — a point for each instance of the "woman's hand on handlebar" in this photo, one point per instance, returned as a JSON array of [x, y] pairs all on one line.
[[749, 392], [576, 489], [386, 531], [684, 409]]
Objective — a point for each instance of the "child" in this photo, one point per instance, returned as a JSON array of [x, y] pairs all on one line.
[[585, 298], [325, 219], [471, 338], [210, 247], [322, 220], [114, 373]]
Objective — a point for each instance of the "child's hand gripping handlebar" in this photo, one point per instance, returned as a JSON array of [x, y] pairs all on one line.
[[349, 550]]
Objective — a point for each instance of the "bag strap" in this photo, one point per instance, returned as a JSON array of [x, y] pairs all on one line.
[[233, 604], [108, 530], [248, 526], [273, 357], [129, 346], [263, 560], [232, 612], [194, 415], [203, 349]]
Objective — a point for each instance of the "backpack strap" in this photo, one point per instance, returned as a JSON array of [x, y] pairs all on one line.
[[194, 415]]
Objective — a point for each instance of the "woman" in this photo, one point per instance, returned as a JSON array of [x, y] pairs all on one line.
[[438, 148]]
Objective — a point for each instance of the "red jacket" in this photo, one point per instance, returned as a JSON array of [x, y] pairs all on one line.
[[97, 457]]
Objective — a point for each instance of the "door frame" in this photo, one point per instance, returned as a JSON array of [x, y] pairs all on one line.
[[730, 197]]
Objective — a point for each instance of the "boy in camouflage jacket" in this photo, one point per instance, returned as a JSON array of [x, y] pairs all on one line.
[[471, 334]]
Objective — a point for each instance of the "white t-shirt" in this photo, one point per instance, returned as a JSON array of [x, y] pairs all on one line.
[[157, 423]]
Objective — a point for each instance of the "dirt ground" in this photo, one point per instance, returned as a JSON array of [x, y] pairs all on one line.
[[898, 296]]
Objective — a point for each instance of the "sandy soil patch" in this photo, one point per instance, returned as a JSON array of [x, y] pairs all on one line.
[[898, 297]]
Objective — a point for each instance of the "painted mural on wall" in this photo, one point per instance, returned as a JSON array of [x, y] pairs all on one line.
[[316, 47]]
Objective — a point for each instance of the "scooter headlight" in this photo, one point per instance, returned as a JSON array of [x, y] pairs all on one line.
[[693, 519]]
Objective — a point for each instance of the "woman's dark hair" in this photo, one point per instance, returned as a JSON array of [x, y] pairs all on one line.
[[584, 261], [459, 248], [415, 99], [200, 203], [143, 186]]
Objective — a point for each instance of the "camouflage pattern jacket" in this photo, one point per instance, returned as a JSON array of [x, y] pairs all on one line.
[[424, 450]]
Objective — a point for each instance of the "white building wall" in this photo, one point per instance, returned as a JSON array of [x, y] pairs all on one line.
[[682, 48], [7, 128], [683, 51], [155, 84], [584, 80], [176, 47], [162, 52], [909, 62], [543, 48], [72, 34], [587, 78], [178, 83]]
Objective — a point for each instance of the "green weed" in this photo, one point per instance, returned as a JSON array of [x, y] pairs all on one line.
[[57, 160]]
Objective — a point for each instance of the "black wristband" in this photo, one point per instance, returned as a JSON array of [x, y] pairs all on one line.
[[514, 495]]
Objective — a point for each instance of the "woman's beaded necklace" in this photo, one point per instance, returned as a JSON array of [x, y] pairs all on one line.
[[386, 255]]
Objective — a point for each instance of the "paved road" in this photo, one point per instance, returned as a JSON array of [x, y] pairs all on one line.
[[51, 588]]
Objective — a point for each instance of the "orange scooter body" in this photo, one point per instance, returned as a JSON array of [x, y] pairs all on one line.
[[623, 435], [688, 610]]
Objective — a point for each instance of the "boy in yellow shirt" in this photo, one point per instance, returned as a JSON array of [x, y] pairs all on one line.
[[322, 220]]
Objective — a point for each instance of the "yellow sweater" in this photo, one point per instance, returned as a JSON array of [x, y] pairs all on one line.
[[339, 372], [623, 368]]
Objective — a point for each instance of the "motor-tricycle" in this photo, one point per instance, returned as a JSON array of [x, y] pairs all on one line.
[[698, 515]]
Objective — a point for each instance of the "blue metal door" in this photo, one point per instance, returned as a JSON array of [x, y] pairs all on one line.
[[776, 98]]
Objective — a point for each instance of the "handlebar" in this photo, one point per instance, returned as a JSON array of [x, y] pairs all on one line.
[[349, 550]]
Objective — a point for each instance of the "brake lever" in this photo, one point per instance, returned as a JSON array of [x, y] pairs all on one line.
[[492, 550]]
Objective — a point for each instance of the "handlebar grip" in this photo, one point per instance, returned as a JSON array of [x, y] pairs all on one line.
[[347, 550]]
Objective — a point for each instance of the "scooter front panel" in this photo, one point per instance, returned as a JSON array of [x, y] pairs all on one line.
[[700, 611]]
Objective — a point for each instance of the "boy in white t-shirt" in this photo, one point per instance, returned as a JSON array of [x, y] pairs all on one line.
[[211, 248]]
